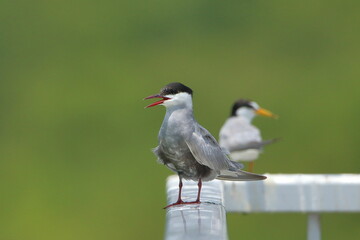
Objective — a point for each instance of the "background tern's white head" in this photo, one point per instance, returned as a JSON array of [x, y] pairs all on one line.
[[173, 95], [248, 109]]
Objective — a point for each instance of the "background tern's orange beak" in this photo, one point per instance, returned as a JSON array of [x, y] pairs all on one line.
[[266, 113], [158, 102]]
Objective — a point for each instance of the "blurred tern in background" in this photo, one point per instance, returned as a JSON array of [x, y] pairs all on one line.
[[187, 148], [240, 137]]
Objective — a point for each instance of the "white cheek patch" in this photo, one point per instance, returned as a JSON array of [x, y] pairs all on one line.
[[245, 112], [178, 99]]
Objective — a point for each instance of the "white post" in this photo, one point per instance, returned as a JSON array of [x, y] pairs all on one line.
[[314, 231], [205, 221]]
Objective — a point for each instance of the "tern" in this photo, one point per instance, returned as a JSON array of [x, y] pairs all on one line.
[[187, 148], [239, 136]]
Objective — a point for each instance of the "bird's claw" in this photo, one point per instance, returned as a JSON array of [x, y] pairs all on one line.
[[180, 202]]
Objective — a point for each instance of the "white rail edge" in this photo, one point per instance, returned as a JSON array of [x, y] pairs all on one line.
[[306, 193]]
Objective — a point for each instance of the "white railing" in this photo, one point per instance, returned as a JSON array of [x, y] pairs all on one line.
[[306, 193]]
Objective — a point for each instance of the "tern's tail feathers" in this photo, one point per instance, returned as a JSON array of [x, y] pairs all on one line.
[[239, 176]]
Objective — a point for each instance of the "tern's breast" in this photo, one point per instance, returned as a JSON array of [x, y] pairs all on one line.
[[173, 151]]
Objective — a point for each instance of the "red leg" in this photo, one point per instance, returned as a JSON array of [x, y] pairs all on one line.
[[197, 201], [179, 201], [180, 189]]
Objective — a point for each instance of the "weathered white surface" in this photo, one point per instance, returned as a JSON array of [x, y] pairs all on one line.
[[309, 193], [196, 221], [295, 193]]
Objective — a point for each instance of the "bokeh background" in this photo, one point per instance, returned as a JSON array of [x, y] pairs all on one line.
[[75, 159]]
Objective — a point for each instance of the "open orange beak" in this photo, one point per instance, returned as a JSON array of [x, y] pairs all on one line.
[[266, 113], [158, 102]]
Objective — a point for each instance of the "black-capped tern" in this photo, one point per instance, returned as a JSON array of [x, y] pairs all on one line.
[[239, 136], [187, 148]]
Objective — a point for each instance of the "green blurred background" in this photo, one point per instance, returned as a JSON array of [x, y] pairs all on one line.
[[76, 139]]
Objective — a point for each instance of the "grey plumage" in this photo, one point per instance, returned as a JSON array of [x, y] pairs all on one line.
[[187, 148], [253, 145], [190, 150]]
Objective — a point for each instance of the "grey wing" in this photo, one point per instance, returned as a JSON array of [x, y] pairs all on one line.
[[207, 151], [254, 145]]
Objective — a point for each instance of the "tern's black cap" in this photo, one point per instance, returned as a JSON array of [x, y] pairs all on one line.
[[240, 103], [174, 88]]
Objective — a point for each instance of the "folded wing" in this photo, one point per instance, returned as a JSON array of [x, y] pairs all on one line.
[[207, 151]]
